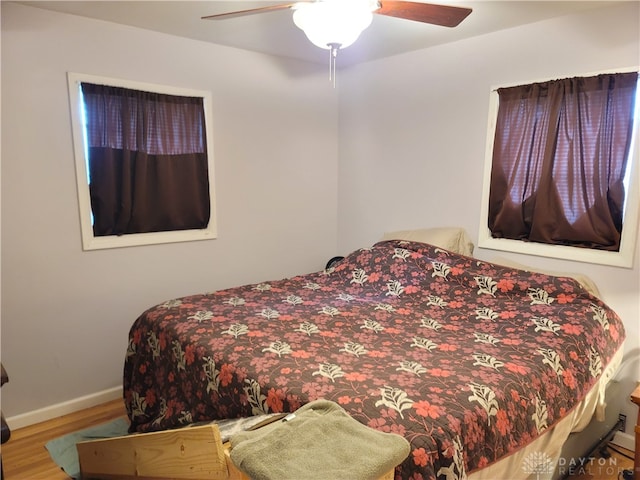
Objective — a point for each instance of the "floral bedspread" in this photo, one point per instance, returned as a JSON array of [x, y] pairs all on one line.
[[469, 361]]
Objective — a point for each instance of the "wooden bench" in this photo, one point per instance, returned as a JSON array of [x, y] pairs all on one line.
[[186, 453]]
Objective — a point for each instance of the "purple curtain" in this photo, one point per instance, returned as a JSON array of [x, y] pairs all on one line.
[[148, 164], [559, 159]]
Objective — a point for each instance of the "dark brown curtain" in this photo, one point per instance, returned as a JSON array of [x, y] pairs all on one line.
[[559, 159], [147, 161]]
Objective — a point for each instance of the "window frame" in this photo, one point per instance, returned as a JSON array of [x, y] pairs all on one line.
[[91, 242], [622, 258]]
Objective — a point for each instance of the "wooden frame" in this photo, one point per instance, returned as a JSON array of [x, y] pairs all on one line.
[[186, 453], [621, 258], [91, 242], [195, 453]]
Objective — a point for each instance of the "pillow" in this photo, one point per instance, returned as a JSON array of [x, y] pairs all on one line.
[[588, 284], [454, 239]]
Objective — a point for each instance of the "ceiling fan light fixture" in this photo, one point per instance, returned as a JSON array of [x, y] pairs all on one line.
[[331, 23]]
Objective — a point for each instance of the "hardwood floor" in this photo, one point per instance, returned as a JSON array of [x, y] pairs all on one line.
[[25, 457], [601, 468]]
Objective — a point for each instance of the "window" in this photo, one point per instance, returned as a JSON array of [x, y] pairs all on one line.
[[558, 169], [144, 162]]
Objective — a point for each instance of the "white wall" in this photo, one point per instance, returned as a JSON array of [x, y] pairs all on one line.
[[66, 313], [410, 137], [413, 130]]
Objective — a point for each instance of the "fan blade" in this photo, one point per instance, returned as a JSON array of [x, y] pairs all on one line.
[[251, 11], [444, 15]]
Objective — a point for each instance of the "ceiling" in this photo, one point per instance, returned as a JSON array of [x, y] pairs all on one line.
[[274, 32]]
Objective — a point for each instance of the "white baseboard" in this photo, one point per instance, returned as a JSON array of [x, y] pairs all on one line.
[[64, 408], [624, 440]]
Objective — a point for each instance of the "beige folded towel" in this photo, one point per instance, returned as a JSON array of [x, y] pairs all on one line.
[[322, 442]]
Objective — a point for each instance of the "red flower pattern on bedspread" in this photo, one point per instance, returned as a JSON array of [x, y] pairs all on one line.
[[468, 360]]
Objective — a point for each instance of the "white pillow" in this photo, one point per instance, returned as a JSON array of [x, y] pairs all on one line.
[[454, 239]]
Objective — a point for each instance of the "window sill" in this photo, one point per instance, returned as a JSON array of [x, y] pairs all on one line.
[[89, 242], [623, 258]]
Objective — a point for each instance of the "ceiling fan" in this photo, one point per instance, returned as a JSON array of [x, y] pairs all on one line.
[[336, 24]]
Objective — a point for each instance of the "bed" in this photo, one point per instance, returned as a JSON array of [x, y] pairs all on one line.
[[485, 369]]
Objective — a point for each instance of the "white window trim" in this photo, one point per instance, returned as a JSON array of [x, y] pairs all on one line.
[[91, 242], [622, 258]]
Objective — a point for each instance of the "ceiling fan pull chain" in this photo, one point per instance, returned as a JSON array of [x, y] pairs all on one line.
[[333, 53]]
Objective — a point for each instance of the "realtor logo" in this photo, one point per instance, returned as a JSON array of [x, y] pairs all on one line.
[[538, 463]]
